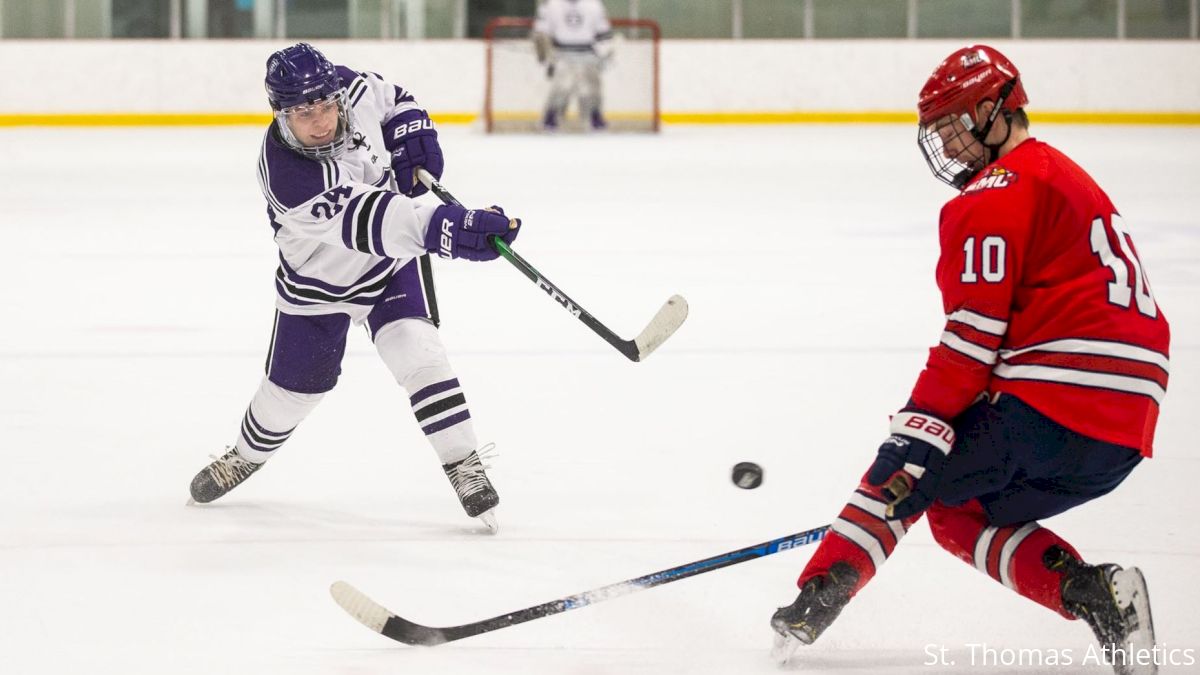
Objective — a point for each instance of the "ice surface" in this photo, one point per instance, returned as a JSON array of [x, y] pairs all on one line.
[[137, 268]]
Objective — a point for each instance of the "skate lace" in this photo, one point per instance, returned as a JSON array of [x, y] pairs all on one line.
[[1092, 598], [468, 476], [230, 469]]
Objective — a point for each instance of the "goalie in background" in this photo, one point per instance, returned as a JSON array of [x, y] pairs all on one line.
[[573, 39]]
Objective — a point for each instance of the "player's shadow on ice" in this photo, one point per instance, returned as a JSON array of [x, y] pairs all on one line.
[[290, 521]]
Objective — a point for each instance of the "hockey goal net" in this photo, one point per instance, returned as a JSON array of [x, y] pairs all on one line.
[[517, 85]]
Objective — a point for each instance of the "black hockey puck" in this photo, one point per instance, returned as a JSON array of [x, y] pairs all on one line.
[[747, 475]]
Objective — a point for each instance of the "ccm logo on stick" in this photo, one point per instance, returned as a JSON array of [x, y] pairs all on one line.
[[559, 298]]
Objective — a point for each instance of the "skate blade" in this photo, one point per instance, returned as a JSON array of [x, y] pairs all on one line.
[[1130, 588], [783, 648], [488, 518]]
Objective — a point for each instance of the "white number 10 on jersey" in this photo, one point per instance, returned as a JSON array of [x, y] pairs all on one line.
[[991, 260], [987, 261], [1123, 266]]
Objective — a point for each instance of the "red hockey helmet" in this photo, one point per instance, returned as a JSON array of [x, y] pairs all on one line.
[[965, 79]]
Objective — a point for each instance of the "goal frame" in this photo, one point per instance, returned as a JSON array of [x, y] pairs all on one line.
[[499, 22]]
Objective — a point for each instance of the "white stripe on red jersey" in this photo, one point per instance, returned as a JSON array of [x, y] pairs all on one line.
[[1046, 300]]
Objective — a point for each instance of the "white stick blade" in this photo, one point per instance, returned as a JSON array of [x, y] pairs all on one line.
[[664, 324], [368, 612]]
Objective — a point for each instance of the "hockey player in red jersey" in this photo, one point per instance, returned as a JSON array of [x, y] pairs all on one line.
[[1043, 392]]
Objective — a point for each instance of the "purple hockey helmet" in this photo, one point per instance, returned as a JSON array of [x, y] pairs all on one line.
[[297, 78], [300, 74]]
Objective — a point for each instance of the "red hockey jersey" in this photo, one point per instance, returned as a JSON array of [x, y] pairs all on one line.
[[1046, 299]]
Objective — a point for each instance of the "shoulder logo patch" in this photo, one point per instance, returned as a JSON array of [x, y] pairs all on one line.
[[998, 177]]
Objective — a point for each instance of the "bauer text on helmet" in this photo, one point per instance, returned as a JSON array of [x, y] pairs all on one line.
[[956, 140], [309, 100]]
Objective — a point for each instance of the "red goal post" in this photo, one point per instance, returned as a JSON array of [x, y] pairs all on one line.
[[516, 86]]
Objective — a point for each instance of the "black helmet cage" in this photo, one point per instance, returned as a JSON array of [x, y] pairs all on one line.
[[976, 154]]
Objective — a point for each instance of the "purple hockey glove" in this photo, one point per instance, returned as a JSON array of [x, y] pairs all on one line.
[[413, 142], [455, 232], [916, 451]]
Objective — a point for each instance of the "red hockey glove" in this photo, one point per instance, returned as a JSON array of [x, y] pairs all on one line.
[[910, 462]]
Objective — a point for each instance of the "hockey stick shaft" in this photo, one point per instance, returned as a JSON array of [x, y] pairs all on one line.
[[379, 619], [671, 315]]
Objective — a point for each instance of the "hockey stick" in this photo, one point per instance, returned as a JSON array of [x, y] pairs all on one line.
[[379, 619], [668, 319]]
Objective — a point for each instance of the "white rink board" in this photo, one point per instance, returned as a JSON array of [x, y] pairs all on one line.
[[698, 76], [139, 308]]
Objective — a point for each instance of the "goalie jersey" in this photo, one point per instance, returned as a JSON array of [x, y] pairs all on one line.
[[341, 227], [573, 25], [1046, 299]]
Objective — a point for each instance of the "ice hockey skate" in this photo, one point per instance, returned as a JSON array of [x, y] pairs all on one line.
[[474, 490], [1115, 603], [225, 473], [820, 601]]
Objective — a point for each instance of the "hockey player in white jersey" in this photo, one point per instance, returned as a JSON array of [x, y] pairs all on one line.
[[574, 39], [337, 169]]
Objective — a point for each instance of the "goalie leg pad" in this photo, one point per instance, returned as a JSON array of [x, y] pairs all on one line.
[[562, 85], [590, 93]]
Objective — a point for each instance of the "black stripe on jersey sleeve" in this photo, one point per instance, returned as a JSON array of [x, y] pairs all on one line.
[[362, 224]]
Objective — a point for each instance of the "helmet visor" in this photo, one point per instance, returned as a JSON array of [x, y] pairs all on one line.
[[310, 111], [318, 129]]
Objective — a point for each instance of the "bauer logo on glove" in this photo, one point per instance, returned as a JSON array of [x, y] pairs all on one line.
[[910, 462], [456, 232]]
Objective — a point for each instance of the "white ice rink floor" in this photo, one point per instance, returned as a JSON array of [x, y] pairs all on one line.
[[137, 266]]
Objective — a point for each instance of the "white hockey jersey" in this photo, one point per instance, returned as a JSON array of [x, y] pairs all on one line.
[[340, 226], [573, 24]]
